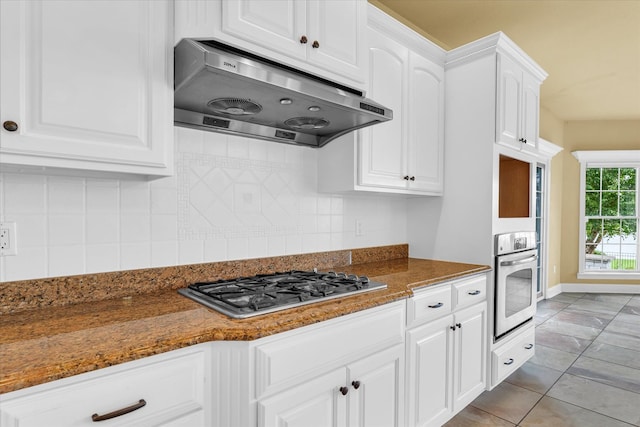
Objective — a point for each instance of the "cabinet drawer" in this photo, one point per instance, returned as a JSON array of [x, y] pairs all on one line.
[[428, 304], [470, 291], [173, 390], [301, 354], [510, 356]]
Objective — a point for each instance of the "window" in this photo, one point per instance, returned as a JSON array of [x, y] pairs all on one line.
[[610, 186]]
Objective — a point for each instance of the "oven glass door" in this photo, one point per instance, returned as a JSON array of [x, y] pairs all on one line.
[[516, 283]]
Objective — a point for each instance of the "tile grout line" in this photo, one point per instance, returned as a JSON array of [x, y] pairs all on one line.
[[572, 363]]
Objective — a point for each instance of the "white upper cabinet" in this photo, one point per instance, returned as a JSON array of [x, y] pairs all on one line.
[[425, 125], [404, 155], [87, 85], [323, 37], [518, 105], [382, 148]]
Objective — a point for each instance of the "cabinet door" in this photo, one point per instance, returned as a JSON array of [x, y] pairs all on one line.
[[429, 357], [90, 85], [277, 25], [469, 371], [425, 144], [382, 150], [318, 402], [339, 28], [508, 98], [530, 112], [376, 387]]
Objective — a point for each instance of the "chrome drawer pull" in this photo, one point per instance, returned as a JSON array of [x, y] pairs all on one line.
[[438, 305], [476, 292], [123, 411], [528, 346], [508, 362]]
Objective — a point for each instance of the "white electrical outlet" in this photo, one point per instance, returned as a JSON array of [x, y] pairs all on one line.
[[8, 245]]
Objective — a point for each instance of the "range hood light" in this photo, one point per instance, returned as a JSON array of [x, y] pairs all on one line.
[[286, 101], [314, 108]]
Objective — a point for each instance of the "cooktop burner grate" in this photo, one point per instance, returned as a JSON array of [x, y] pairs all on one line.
[[261, 294]]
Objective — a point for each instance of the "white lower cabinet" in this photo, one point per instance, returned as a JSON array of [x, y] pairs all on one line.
[[446, 358], [512, 354], [163, 390], [364, 393], [347, 372]]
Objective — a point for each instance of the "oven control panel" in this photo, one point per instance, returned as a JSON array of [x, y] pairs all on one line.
[[515, 242]]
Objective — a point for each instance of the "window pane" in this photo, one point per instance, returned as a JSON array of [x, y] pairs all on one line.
[[609, 203], [629, 228], [538, 179], [593, 234], [610, 179], [627, 179], [611, 230], [628, 203], [592, 203], [593, 179]]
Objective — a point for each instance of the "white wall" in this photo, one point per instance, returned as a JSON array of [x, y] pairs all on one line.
[[231, 198]]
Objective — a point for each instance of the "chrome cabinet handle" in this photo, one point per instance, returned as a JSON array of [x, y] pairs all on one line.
[[509, 362], [476, 292], [528, 346], [438, 305], [119, 412]]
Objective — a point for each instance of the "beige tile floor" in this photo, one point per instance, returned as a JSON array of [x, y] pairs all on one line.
[[585, 373]]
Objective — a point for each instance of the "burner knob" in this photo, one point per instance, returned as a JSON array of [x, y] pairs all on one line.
[[344, 390]]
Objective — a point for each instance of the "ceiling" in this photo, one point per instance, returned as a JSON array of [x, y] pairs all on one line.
[[590, 48]]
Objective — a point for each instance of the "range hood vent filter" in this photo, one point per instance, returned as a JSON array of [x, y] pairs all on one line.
[[304, 123], [234, 106], [219, 88]]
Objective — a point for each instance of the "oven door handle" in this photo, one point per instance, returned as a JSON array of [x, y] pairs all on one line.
[[519, 261]]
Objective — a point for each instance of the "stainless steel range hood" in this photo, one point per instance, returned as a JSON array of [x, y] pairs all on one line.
[[222, 89]]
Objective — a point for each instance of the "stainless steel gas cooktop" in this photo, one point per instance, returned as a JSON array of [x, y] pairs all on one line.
[[262, 294]]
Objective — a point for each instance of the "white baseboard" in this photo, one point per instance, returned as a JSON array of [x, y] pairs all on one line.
[[552, 292], [593, 288]]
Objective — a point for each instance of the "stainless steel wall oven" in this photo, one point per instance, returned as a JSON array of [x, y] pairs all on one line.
[[516, 281]]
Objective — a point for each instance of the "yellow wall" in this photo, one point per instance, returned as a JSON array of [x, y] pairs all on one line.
[[586, 135], [552, 129]]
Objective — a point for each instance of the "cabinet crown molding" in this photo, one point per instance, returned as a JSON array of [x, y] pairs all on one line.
[[491, 44]]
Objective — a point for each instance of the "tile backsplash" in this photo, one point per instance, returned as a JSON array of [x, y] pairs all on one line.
[[231, 198]]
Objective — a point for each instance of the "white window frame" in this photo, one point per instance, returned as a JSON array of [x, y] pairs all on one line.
[[603, 159]]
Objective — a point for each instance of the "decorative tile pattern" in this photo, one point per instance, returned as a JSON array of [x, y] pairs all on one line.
[[238, 197]]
